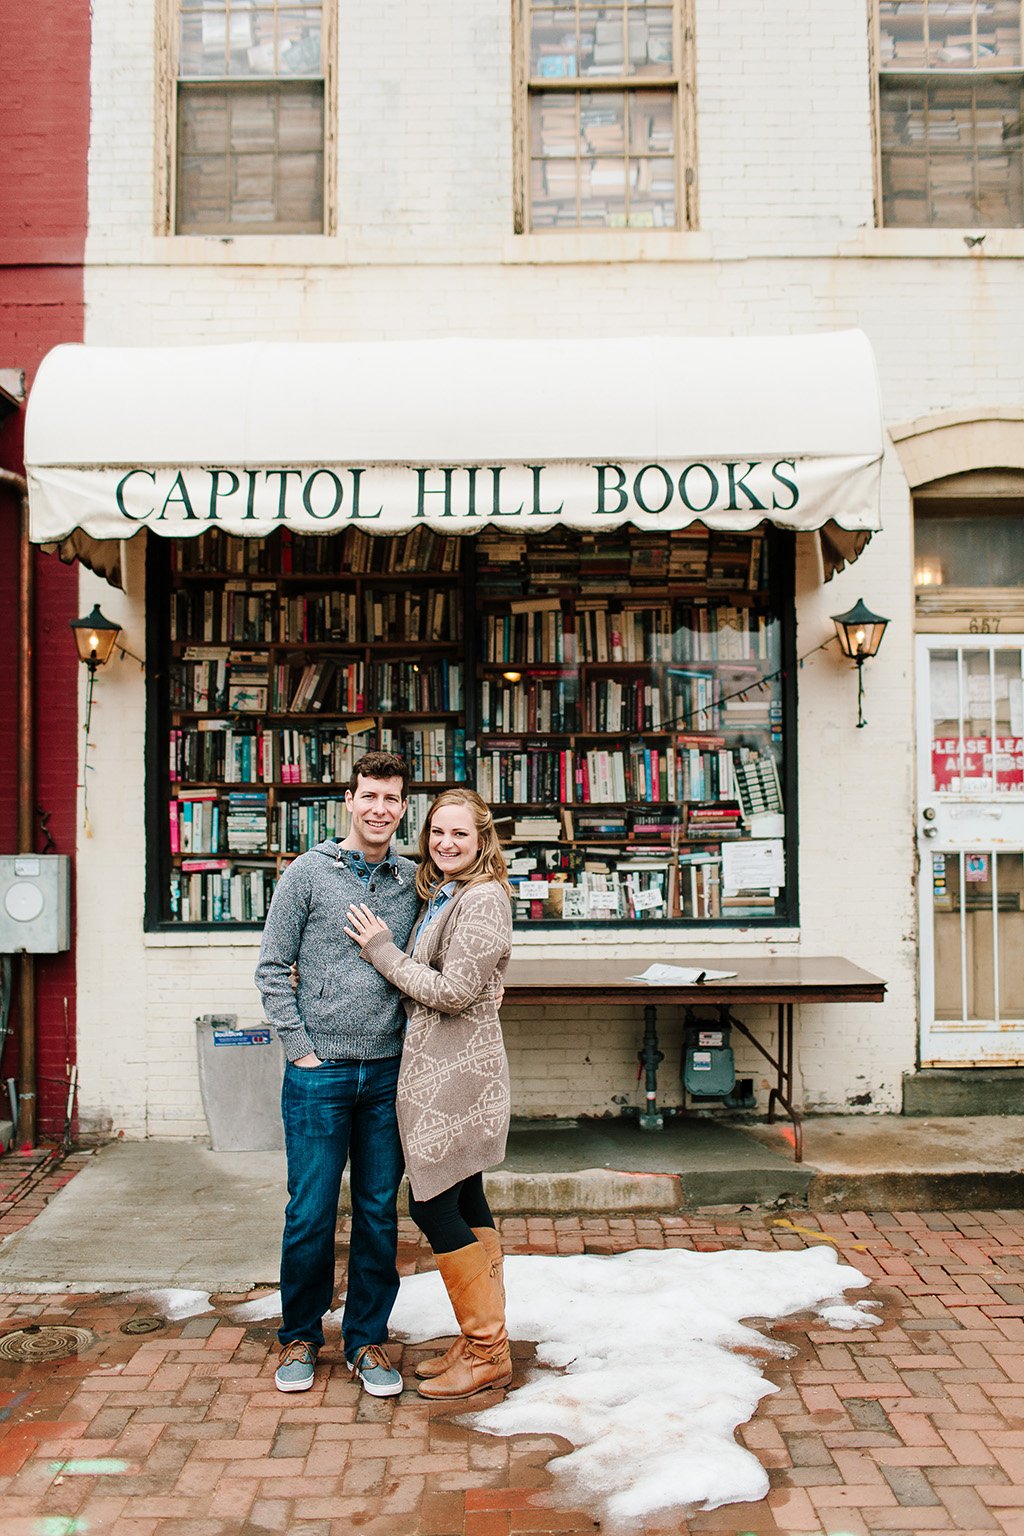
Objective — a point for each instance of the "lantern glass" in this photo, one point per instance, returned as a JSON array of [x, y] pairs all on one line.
[[94, 637], [859, 631]]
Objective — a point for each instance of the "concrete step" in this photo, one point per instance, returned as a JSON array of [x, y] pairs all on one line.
[[946, 1091], [903, 1163], [555, 1167]]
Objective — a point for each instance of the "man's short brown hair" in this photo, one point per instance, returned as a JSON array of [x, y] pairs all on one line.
[[380, 765]]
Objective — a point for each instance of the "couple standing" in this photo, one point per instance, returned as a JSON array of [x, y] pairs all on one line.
[[375, 938]]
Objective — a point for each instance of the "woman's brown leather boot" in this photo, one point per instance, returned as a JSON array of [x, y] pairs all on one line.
[[471, 1280], [438, 1364]]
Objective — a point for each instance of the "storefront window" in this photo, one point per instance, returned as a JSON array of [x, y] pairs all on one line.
[[619, 700]]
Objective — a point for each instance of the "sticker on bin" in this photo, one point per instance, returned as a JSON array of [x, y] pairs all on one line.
[[701, 1061], [241, 1036]]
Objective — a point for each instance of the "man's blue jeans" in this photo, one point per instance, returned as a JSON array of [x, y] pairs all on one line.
[[337, 1112]]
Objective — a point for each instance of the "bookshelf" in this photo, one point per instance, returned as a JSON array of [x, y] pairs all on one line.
[[282, 661], [630, 721], [624, 701]]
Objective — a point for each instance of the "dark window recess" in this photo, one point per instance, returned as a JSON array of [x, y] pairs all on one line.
[[625, 702]]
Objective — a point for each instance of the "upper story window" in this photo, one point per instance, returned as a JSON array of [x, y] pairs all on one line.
[[951, 93], [605, 132], [250, 89]]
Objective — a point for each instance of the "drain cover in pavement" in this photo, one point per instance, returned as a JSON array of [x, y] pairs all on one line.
[[50, 1342], [142, 1325]]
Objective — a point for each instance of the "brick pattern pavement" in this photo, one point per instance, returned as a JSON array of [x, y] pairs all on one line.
[[29, 1180], [916, 1426]]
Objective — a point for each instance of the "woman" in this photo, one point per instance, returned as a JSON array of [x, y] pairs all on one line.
[[453, 1088]]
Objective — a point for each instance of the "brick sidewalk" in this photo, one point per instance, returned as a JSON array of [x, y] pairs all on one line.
[[915, 1426], [28, 1180]]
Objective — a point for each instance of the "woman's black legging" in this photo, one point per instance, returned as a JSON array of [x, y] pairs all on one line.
[[447, 1220]]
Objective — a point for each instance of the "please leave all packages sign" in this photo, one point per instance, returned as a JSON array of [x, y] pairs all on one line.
[[968, 764]]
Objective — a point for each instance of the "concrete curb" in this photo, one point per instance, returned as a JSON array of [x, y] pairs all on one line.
[[964, 1190], [595, 1191]]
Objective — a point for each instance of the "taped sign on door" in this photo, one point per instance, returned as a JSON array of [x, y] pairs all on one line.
[[971, 768]]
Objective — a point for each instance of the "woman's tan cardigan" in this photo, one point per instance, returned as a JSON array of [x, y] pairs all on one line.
[[453, 1088]]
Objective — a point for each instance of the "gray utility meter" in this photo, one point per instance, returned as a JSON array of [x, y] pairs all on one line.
[[709, 1071], [35, 903]]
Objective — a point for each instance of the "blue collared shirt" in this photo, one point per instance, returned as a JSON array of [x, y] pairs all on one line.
[[359, 866], [440, 898]]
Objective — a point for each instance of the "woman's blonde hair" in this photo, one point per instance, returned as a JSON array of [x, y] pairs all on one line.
[[489, 863]]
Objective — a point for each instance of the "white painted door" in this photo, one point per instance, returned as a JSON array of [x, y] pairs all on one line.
[[971, 841]]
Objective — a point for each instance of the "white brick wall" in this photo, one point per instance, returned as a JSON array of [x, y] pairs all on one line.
[[424, 248]]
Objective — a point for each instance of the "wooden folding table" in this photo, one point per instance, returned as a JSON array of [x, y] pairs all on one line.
[[782, 980]]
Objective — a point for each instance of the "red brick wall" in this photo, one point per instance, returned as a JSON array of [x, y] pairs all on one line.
[[44, 142]]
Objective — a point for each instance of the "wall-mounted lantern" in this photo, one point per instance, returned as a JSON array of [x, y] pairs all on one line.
[[94, 637], [859, 632]]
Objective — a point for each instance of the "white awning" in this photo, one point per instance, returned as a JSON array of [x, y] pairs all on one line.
[[658, 432]]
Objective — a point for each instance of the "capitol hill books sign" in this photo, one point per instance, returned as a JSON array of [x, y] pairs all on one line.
[[656, 432]]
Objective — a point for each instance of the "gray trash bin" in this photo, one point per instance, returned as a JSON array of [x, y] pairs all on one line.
[[240, 1073]]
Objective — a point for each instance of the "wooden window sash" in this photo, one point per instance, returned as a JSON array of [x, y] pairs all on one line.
[[168, 81], [970, 75], [678, 83]]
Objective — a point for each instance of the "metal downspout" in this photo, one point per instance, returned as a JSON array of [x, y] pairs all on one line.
[[26, 1129]]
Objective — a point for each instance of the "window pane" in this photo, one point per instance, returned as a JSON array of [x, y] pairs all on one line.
[[969, 551], [1001, 33], [298, 42], [603, 192], [949, 34], [603, 40], [259, 57], [951, 154], [640, 721], [978, 899], [650, 40], [553, 44], [224, 38], [652, 194], [652, 122], [553, 194], [603, 123], [553, 126], [901, 30], [215, 41], [250, 158]]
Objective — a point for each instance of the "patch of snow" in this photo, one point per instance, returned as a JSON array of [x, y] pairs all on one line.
[[650, 1366], [174, 1305], [256, 1311], [846, 1317]]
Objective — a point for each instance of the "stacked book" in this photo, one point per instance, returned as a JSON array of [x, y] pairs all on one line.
[[247, 821], [713, 820]]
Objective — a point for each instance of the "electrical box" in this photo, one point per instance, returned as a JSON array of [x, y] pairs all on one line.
[[35, 903]]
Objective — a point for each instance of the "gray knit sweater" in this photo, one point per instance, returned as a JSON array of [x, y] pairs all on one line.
[[342, 1010]]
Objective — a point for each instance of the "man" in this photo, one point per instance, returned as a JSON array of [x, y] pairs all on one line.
[[342, 1033]]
